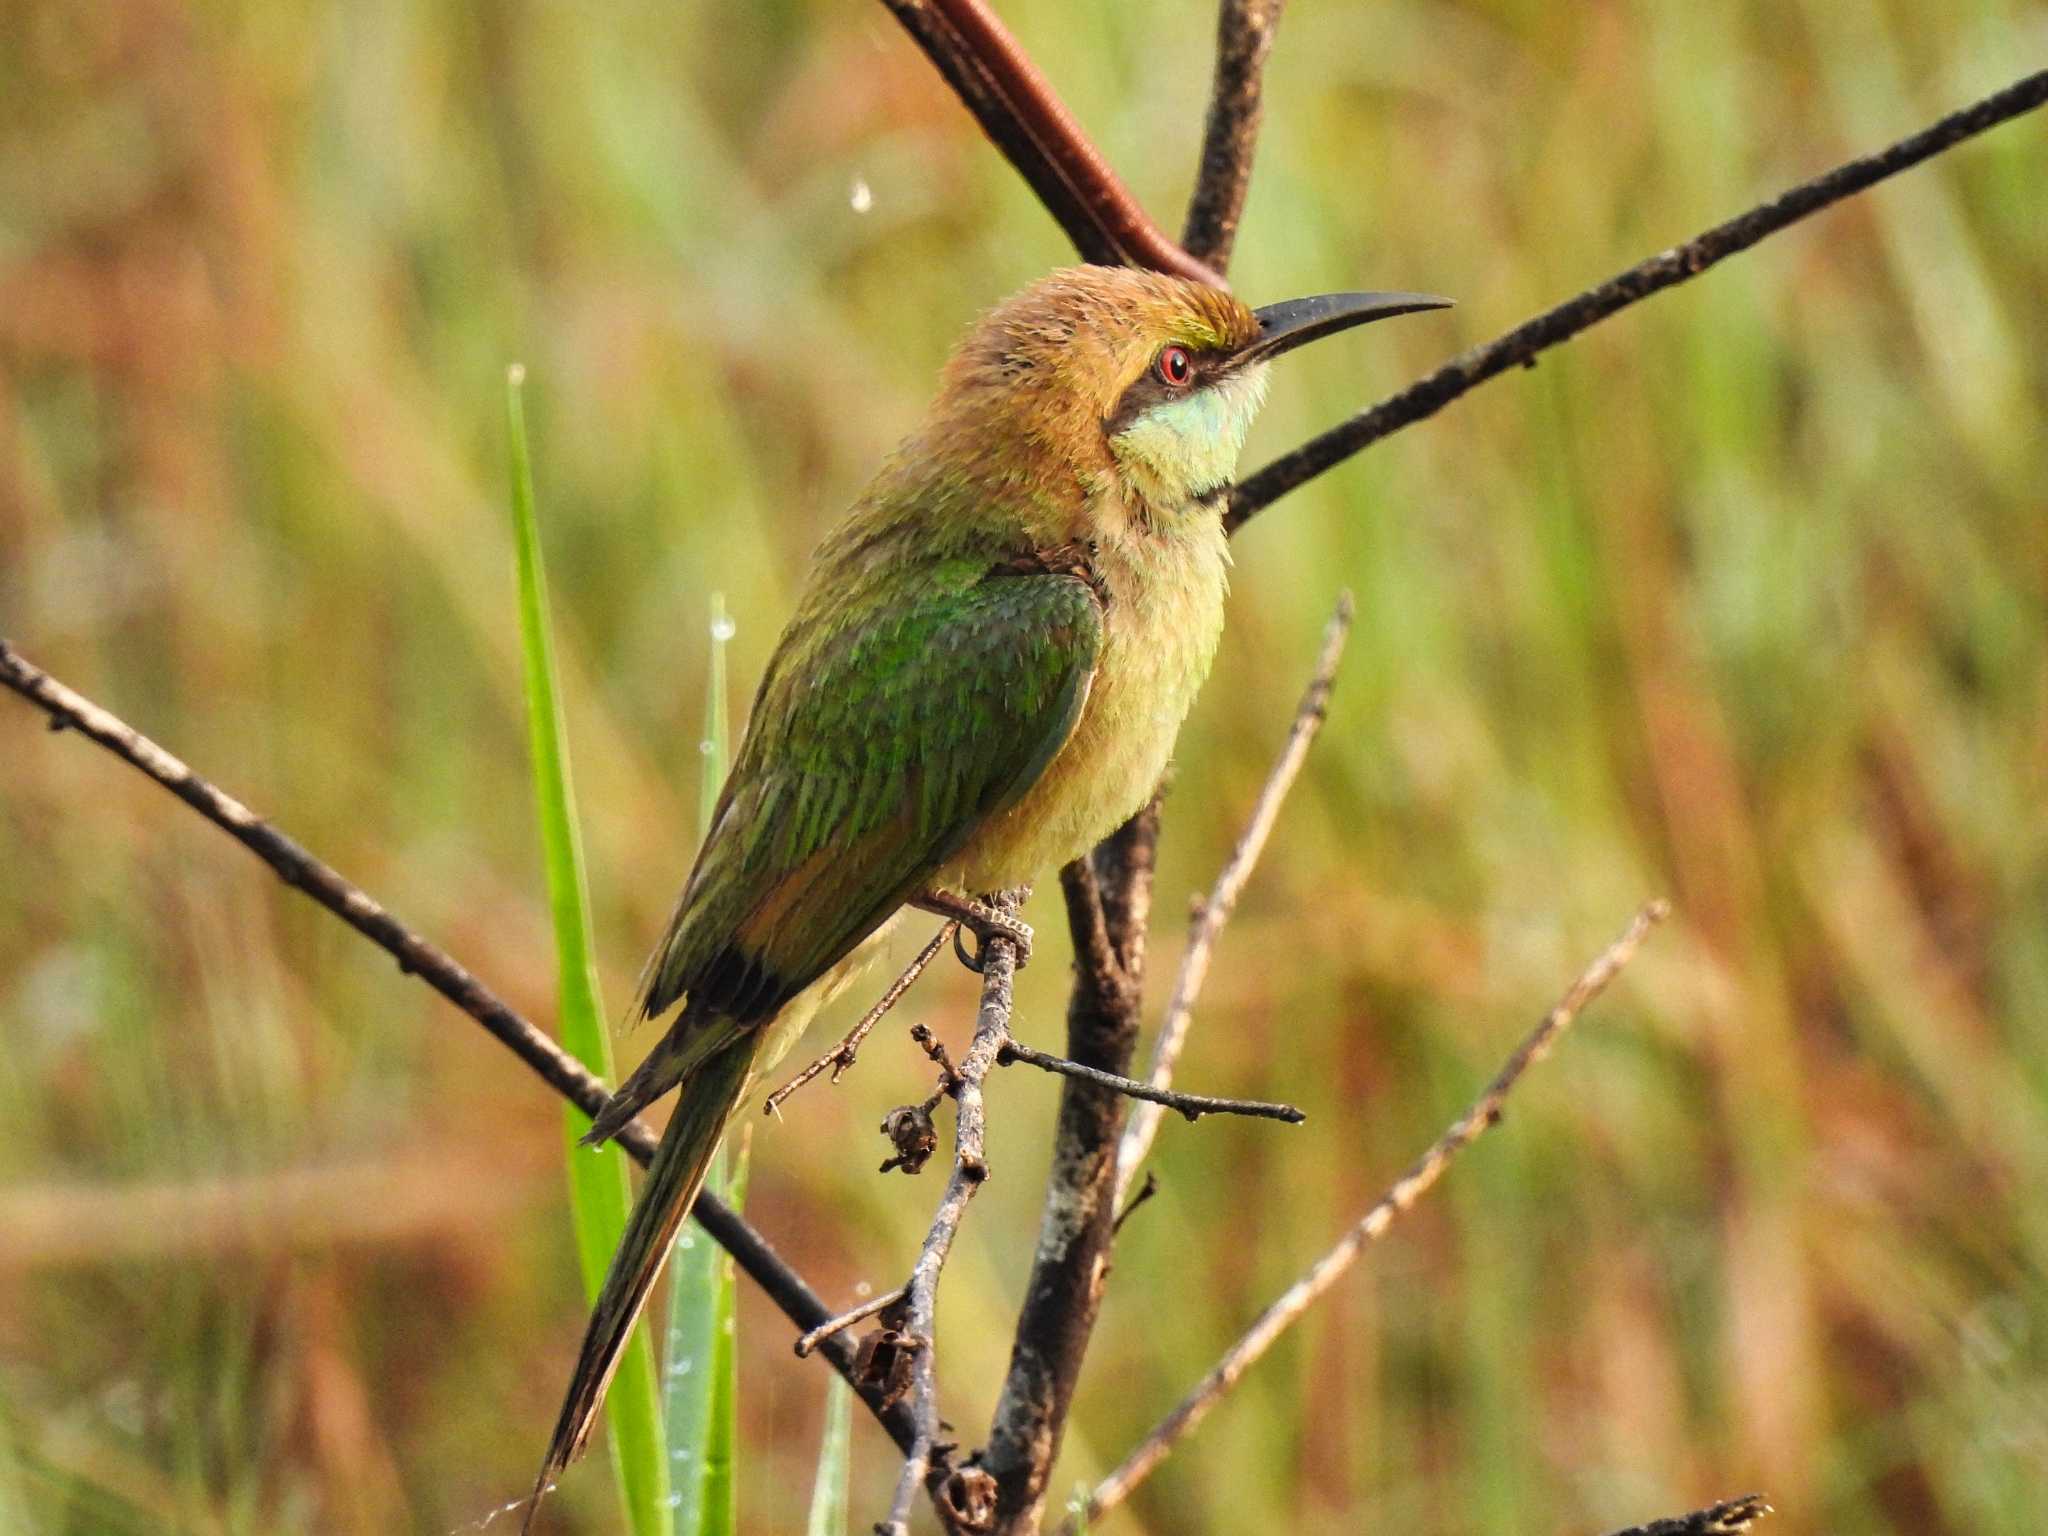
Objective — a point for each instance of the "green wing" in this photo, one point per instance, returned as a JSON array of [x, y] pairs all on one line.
[[876, 746]]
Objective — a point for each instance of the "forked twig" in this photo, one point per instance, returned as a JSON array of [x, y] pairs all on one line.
[[842, 1055], [1410, 1187], [1520, 346], [1214, 912], [1193, 1105], [920, 1297], [1025, 119], [416, 956]]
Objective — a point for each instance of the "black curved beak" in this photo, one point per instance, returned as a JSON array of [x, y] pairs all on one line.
[[1283, 327]]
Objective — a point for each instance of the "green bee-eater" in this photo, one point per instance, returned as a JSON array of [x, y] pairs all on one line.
[[984, 677]]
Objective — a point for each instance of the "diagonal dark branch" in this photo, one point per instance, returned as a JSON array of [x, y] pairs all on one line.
[[1019, 111], [1520, 346], [1293, 1303], [1244, 37], [416, 956]]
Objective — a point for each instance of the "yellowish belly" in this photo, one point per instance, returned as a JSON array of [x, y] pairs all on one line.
[[1163, 619]]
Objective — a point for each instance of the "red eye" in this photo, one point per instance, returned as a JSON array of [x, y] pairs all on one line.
[[1175, 367]]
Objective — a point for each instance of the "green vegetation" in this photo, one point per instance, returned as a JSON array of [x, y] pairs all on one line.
[[1742, 599], [828, 1515], [700, 1361], [599, 1190]]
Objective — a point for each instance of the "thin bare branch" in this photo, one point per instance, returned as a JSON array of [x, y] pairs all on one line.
[[1025, 119], [1722, 1519], [1244, 39], [1213, 913], [867, 1309], [1295, 1301], [1145, 1192], [70, 710], [919, 1309], [1520, 346], [1193, 1105], [842, 1055]]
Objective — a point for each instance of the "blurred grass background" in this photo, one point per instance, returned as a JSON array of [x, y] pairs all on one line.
[[1742, 599]]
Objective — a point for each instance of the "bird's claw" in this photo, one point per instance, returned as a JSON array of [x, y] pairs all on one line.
[[983, 921]]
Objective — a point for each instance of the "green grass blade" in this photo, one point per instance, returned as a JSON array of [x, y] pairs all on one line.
[[828, 1493], [721, 1440], [600, 1188], [701, 1364], [700, 1396]]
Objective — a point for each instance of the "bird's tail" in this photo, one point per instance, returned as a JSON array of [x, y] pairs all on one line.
[[673, 1179]]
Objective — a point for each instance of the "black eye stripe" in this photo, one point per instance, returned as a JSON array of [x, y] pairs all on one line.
[[1151, 387]]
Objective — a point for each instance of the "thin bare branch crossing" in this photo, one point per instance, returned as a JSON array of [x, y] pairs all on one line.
[[1215, 911], [1193, 1105], [1292, 1303], [842, 1055], [416, 956]]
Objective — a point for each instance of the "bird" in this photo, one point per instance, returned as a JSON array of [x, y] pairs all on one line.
[[984, 676]]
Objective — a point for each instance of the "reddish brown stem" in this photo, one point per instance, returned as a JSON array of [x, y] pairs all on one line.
[[1025, 119]]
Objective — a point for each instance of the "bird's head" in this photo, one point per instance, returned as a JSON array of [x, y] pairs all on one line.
[[1149, 379]]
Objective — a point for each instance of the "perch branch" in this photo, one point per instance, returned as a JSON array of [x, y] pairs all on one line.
[[416, 956], [919, 1304], [842, 1055], [1193, 1105], [1025, 119], [1212, 914], [1244, 38], [1410, 1187], [1520, 346]]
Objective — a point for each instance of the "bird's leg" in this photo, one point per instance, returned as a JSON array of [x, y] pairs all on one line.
[[980, 919]]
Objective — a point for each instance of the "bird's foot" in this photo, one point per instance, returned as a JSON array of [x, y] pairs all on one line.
[[980, 919]]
